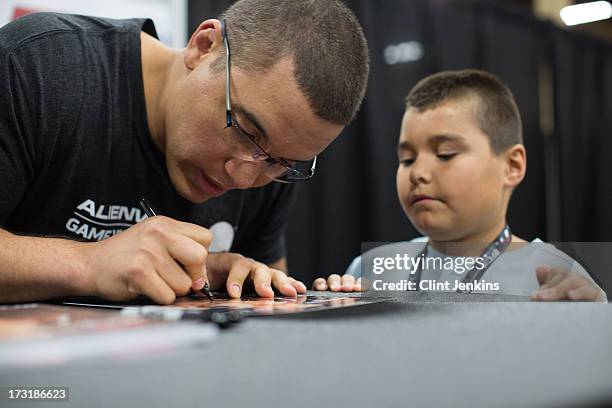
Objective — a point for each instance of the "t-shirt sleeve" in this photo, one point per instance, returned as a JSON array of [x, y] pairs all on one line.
[[16, 150], [354, 268], [582, 271], [548, 255], [266, 242]]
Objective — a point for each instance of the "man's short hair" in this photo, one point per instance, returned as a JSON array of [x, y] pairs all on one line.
[[329, 50], [496, 111]]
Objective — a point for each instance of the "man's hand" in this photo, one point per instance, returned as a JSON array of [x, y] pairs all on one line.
[[562, 284], [234, 271], [335, 283], [158, 257]]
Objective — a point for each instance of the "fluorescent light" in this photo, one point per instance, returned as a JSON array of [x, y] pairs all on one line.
[[586, 12]]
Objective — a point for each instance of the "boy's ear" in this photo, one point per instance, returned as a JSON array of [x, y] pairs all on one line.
[[205, 39], [516, 165]]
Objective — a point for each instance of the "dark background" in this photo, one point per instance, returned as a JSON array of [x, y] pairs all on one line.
[[562, 82]]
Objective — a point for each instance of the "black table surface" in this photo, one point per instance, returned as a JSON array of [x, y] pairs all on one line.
[[422, 350]]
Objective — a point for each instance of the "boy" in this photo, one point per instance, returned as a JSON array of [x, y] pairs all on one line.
[[460, 158]]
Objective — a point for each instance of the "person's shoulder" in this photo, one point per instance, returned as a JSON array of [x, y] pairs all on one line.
[[544, 249], [543, 253], [415, 245], [39, 25], [538, 252], [36, 25]]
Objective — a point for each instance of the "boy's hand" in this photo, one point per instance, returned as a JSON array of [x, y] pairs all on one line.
[[335, 283], [231, 271], [562, 284]]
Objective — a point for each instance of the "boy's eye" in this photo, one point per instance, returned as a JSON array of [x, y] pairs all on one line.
[[446, 156], [406, 162]]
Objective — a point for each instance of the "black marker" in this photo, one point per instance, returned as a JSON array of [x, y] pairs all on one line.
[[150, 211], [147, 208], [223, 316]]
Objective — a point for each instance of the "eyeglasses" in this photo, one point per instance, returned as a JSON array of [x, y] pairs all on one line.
[[245, 145]]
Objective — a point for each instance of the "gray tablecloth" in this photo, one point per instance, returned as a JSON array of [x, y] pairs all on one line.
[[419, 351]]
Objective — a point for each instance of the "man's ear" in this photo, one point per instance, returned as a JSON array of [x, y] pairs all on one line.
[[516, 165], [206, 39]]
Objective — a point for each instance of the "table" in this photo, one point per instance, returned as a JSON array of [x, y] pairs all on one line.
[[424, 350]]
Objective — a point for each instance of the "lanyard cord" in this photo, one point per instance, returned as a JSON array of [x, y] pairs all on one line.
[[490, 254]]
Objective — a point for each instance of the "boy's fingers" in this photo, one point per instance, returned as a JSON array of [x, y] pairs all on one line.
[[333, 282], [549, 277], [542, 274], [584, 293], [358, 285], [348, 283], [319, 284], [560, 290]]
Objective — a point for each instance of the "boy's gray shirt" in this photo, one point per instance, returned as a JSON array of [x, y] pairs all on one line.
[[514, 270]]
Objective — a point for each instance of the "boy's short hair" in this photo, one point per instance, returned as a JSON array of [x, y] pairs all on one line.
[[329, 49], [496, 113]]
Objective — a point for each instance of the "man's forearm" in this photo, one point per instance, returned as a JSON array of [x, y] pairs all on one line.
[[33, 268]]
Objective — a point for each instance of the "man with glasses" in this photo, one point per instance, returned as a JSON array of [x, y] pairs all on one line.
[[97, 113], [245, 144]]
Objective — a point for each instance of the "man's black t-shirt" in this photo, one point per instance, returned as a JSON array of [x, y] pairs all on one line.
[[75, 150]]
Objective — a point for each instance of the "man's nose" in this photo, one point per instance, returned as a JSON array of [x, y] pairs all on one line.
[[244, 173]]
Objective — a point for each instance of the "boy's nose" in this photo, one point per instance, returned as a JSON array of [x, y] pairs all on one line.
[[244, 173], [419, 173]]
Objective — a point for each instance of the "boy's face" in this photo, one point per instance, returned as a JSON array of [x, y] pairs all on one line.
[[449, 181]]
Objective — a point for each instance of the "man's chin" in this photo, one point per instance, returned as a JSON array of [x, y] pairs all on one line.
[[189, 191], [198, 195], [198, 198], [193, 195]]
